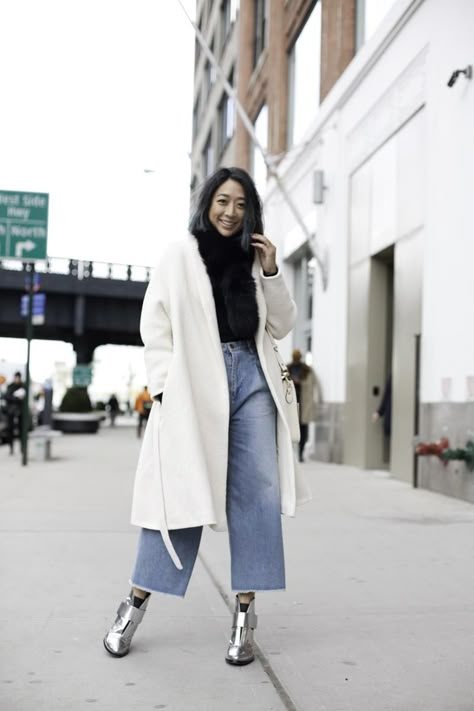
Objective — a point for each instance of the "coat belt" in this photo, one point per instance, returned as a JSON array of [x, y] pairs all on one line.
[[162, 509]]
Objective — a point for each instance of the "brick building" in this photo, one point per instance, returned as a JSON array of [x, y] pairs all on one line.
[[259, 45]]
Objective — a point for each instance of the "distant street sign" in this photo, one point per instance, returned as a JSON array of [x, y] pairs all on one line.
[[38, 310], [23, 225], [82, 376], [32, 277]]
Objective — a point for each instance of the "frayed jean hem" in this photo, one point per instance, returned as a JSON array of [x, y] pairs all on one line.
[[162, 592]]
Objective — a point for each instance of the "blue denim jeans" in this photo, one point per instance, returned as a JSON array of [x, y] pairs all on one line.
[[253, 494]]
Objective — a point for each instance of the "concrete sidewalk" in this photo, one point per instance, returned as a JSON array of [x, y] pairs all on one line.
[[378, 614]]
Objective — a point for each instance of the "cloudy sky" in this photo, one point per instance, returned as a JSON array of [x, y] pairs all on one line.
[[93, 94]]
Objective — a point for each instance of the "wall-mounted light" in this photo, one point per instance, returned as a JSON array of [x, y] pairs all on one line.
[[318, 187], [455, 75]]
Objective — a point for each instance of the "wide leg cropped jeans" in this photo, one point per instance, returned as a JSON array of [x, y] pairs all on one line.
[[253, 494]]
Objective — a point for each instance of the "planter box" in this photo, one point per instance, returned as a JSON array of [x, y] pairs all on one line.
[[77, 422]]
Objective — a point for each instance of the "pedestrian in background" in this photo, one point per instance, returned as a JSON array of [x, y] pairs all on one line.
[[384, 411], [143, 404], [385, 408], [308, 394], [113, 409], [14, 398], [217, 450]]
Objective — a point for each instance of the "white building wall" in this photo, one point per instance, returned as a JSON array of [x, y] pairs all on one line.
[[328, 222], [330, 304], [448, 298], [404, 68]]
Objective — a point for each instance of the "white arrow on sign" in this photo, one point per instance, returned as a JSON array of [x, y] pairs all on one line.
[[26, 246]]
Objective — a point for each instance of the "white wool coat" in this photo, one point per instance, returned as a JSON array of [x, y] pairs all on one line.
[[181, 475]]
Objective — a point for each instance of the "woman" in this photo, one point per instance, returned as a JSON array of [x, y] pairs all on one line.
[[217, 450], [308, 393]]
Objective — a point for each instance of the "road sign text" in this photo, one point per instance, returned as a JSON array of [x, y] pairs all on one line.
[[23, 225]]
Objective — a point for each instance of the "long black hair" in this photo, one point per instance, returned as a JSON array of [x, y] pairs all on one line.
[[253, 218]]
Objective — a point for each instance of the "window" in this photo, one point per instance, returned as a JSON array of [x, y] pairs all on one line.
[[304, 66], [194, 190], [370, 13], [260, 12], [201, 21], [196, 112], [208, 157], [197, 52], [259, 169], [210, 72], [226, 119], [304, 268], [204, 14], [234, 9], [225, 19], [229, 10]]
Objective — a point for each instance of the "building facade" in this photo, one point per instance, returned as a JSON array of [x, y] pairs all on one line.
[[369, 127], [258, 44]]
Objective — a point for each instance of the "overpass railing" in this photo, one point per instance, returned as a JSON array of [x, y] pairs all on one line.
[[82, 269]]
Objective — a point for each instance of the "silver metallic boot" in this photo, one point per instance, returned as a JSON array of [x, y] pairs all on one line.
[[118, 639], [240, 649]]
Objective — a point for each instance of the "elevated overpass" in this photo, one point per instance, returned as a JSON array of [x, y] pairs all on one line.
[[88, 303]]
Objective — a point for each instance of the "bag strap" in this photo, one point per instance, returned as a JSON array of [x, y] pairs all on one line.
[[285, 373]]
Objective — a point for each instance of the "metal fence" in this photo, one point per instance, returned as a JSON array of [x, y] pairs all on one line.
[[82, 269]]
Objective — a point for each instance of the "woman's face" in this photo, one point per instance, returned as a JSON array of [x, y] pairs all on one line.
[[227, 209]]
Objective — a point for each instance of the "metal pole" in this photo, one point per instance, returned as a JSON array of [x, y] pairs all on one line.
[[416, 423], [25, 420]]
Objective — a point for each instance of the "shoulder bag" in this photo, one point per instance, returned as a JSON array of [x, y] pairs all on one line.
[[289, 394]]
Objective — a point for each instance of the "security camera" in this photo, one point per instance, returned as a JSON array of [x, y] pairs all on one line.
[[454, 76]]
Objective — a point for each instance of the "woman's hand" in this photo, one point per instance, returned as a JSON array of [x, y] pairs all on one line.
[[266, 253]]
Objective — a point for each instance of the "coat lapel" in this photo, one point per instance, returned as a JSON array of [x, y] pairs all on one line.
[[261, 304], [206, 297]]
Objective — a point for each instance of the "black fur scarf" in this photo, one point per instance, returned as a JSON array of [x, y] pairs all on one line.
[[230, 271]]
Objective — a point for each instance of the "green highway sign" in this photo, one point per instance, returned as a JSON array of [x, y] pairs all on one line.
[[23, 225], [82, 376]]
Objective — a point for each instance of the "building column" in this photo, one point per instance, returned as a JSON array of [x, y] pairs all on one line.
[[245, 69], [84, 350], [338, 21], [277, 98]]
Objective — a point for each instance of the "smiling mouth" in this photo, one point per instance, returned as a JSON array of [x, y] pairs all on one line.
[[228, 225]]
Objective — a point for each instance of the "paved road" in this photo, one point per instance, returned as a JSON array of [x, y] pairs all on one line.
[[378, 614]]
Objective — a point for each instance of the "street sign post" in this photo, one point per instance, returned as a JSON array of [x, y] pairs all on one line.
[[23, 225], [25, 422], [24, 235]]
